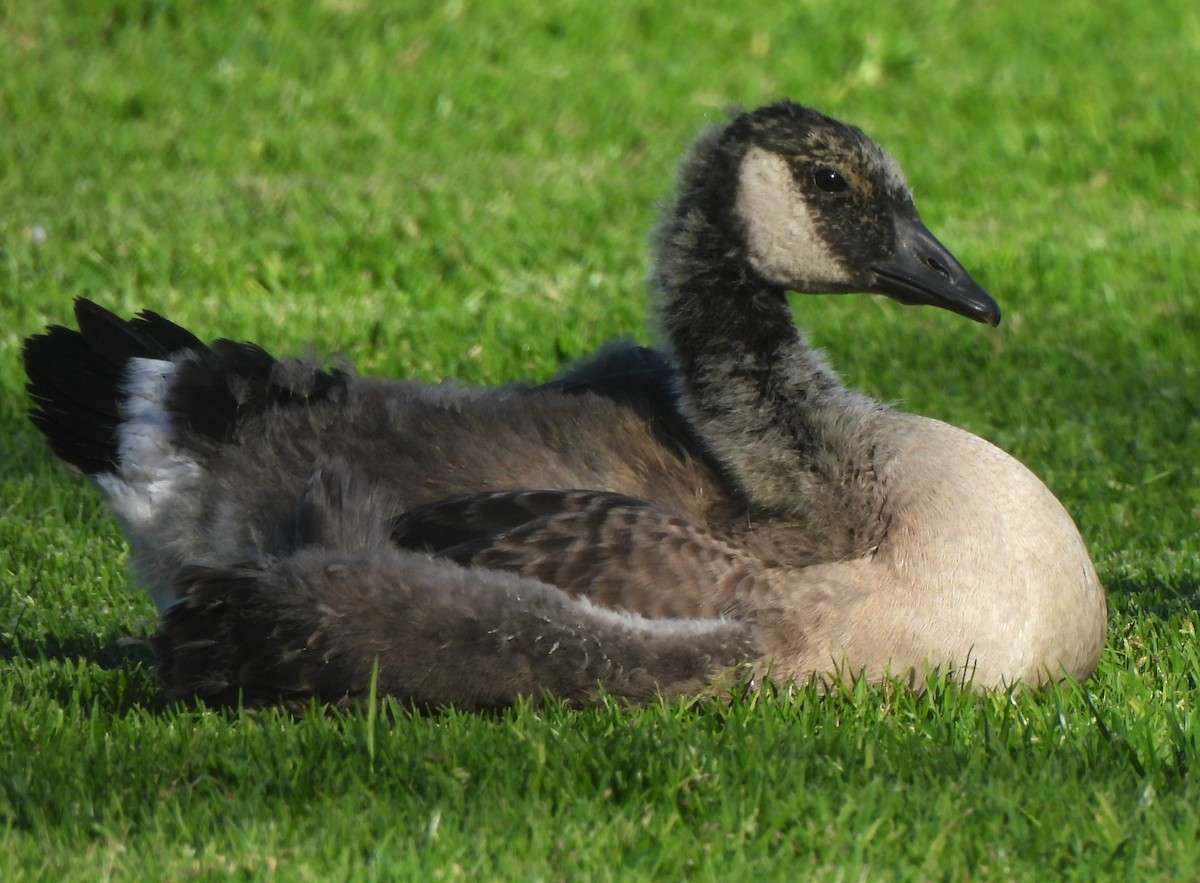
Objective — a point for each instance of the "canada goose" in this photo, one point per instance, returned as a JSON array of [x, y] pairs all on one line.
[[650, 523]]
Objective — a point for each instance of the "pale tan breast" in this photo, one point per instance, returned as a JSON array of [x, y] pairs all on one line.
[[985, 560]]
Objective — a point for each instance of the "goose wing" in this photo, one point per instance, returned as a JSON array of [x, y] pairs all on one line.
[[615, 550], [343, 600]]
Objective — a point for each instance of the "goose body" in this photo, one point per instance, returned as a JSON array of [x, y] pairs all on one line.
[[649, 523]]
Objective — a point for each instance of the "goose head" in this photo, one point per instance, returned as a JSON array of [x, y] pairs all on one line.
[[816, 207]]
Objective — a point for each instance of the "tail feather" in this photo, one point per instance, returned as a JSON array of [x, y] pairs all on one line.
[[64, 370], [79, 383], [76, 379], [147, 336]]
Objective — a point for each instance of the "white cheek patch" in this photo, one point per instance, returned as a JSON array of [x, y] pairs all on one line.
[[153, 470], [783, 241]]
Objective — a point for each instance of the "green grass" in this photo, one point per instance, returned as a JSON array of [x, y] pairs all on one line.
[[461, 188]]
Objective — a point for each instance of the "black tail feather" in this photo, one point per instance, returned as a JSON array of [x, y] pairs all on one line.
[[75, 378], [76, 382], [147, 335]]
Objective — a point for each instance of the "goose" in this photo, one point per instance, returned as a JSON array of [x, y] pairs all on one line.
[[650, 523]]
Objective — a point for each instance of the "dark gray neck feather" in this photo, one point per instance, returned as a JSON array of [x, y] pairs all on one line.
[[788, 433]]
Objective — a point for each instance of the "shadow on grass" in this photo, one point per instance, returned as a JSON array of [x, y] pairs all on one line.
[[115, 675], [1160, 598], [104, 652]]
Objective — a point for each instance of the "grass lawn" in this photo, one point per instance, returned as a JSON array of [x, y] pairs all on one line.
[[464, 188]]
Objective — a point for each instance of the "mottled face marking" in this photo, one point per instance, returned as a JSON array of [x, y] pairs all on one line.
[[784, 243]]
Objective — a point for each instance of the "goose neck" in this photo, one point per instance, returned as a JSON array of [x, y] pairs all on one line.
[[772, 413]]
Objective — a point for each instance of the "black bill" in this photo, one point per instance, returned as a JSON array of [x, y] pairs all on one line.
[[922, 271]]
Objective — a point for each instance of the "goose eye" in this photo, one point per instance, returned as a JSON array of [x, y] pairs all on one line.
[[830, 181]]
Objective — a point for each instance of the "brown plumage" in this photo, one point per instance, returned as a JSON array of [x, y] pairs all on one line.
[[650, 523]]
